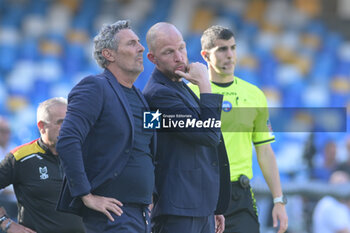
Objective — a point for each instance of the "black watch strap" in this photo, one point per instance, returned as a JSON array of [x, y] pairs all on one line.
[[3, 218]]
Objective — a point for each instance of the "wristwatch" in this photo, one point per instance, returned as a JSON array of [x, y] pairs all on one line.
[[282, 199], [3, 218]]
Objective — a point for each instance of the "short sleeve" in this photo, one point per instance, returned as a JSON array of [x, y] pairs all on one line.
[[262, 132]]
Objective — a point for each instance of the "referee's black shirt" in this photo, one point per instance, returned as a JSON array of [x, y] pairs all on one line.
[[37, 178]]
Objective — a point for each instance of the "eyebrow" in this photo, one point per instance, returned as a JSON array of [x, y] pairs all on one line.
[[129, 41], [222, 46], [134, 40], [226, 46], [167, 50]]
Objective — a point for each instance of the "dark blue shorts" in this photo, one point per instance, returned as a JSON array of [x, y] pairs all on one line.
[[135, 219], [177, 224]]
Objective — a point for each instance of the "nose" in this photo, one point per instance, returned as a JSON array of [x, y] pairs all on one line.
[[231, 53], [178, 56], [141, 48]]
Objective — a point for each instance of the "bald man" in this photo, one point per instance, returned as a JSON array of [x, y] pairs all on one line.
[[192, 175]]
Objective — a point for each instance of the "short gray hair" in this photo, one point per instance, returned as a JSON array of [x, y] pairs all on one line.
[[43, 111], [106, 39]]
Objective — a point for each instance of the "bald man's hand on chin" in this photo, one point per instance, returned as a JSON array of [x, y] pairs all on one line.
[[198, 75]]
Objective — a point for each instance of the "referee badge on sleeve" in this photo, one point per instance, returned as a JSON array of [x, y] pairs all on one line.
[[268, 124]]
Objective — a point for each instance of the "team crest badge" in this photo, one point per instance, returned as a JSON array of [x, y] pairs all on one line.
[[226, 106], [43, 173]]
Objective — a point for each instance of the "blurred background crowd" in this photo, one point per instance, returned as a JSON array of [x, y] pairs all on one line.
[[296, 51]]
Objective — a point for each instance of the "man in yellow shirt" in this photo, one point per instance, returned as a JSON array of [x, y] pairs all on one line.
[[244, 122]]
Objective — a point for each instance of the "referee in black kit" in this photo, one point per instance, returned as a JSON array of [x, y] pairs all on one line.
[[35, 172]]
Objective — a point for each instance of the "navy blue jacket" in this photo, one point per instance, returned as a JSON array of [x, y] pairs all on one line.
[[192, 170], [95, 139]]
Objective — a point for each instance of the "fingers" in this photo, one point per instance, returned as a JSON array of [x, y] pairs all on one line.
[[274, 220], [282, 229], [115, 201], [219, 223], [109, 216], [182, 74], [196, 72], [283, 225], [115, 209], [104, 205], [279, 214], [219, 229], [111, 205], [222, 227], [197, 65]]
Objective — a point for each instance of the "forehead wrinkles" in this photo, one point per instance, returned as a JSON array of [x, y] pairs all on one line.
[[126, 35]]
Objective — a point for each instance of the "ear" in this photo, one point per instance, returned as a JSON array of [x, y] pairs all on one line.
[[205, 55], [41, 128], [107, 53], [151, 57]]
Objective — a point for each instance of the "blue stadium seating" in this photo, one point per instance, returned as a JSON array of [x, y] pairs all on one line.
[[66, 54]]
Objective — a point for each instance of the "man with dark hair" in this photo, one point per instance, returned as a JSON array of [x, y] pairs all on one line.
[[106, 156], [36, 175], [244, 122], [192, 175]]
